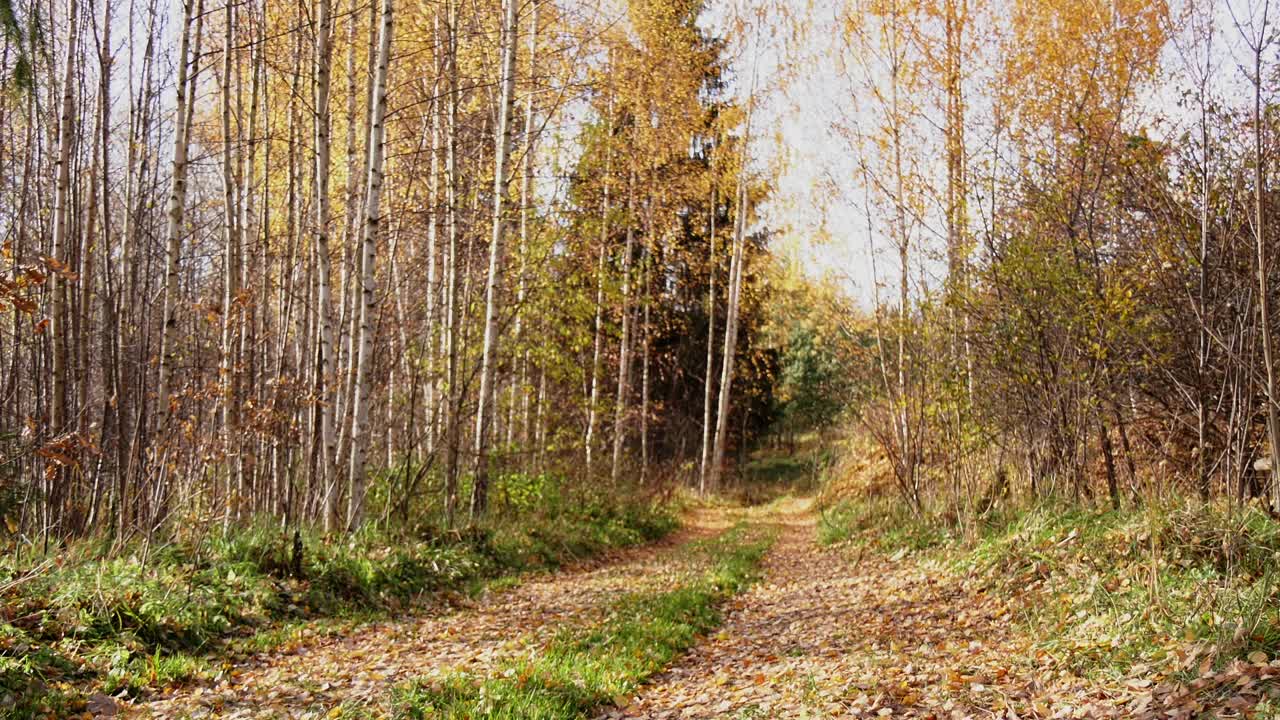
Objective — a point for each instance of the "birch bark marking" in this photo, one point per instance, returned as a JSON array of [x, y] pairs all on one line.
[[484, 413], [231, 281], [731, 313], [624, 349], [707, 386], [174, 216], [597, 342], [377, 132], [324, 58]]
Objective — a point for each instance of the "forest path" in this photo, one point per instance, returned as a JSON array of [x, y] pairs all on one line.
[[360, 667], [835, 633], [827, 632], [851, 632]]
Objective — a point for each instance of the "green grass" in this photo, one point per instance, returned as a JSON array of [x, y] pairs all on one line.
[[881, 522], [1105, 590], [586, 668], [1137, 586], [133, 620], [773, 473]]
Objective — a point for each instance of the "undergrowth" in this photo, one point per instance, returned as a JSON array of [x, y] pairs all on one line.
[[583, 669], [147, 617], [773, 472], [1104, 590]]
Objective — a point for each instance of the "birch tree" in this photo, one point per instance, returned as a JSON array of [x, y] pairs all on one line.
[[708, 377], [231, 275], [485, 409], [372, 224], [731, 312], [327, 369], [624, 342], [176, 210], [62, 274]]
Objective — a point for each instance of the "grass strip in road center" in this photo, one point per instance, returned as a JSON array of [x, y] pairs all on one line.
[[583, 669]]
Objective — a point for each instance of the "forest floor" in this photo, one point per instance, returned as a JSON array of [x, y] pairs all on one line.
[[826, 632], [842, 632], [323, 674], [834, 633]]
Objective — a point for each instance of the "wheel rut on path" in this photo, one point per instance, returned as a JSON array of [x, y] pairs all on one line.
[[362, 666], [830, 634]]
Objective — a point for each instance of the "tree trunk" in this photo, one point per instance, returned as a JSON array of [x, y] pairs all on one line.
[[624, 344], [519, 386], [361, 402], [644, 379], [175, 213], [485, 410], [708, 379], [231, 284], [453, 336], [55, 491], [324, 300], [1202, 338], [110, 360], [731, 313], [731, 322], [597, 342], [255, 367], [433, 386], [906, 440]]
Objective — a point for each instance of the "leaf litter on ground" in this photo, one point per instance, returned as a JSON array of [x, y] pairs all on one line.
[[320, 673], [831, 633]]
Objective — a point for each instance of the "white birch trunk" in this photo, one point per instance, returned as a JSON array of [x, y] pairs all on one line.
[[485, 410], [361, 401], [731, 312], [526, 218], [730, 332], [174, 216], [454, 399], [708, 384], [624, 350], [593, 400], [324, 300], [231, 279]]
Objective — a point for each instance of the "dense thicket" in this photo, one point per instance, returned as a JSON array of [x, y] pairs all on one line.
[[330, 260], [1080, 208]]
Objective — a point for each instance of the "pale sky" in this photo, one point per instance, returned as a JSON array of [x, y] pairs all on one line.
[[806, 94], [817, 205]]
